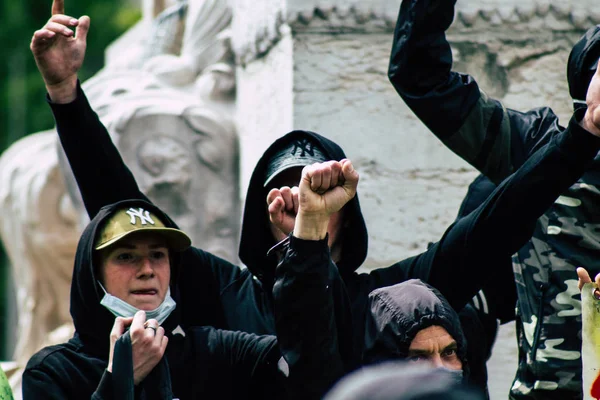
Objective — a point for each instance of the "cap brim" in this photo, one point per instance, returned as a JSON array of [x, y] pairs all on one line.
[[176, 239], [288, 165]]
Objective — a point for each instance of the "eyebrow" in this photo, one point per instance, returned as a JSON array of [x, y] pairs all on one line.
[[451, 346], [419, 352], [129, 246]]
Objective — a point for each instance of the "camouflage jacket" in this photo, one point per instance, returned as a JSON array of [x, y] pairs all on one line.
[[496, 141]]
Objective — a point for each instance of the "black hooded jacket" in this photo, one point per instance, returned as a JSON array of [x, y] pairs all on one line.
[[199, 362], [497, 141], [202, 362], [397, 313]]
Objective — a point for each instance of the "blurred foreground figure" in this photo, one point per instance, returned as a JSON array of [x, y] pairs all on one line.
[[401, 381]]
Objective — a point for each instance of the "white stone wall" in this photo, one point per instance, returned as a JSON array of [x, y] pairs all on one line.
[[341, 90]]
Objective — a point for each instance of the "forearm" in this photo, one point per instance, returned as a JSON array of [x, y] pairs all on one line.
[[101, 175], [64, 92], [420, 66], [311, 226], [505, 221], [310, 307]]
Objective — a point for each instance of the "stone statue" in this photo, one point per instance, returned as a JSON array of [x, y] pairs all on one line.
[[168, 106]]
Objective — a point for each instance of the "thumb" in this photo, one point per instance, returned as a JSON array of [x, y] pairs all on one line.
[[82, 28], [350, 177], [120, 325], [584, 277]]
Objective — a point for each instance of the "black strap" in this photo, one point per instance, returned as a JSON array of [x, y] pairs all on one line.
[[122, 370], [156, 386]]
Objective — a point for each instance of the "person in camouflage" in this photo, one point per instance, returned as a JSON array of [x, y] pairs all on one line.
[[497, 140]]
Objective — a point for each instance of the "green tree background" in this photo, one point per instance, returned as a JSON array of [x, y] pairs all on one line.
[[22, 94]]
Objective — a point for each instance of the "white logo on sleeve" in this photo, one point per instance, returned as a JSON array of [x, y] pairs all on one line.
[[142, 214]]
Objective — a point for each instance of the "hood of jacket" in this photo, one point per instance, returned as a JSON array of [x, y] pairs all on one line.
[[256, 238], [397, 313], [93, 322], [580, 67]]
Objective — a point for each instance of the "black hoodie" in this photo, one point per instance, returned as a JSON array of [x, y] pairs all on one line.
[[397, 313], [200, 362]]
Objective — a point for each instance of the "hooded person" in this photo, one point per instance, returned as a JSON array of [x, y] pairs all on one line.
[[497, 140], [394, 380], [127, 260], [413, 321]]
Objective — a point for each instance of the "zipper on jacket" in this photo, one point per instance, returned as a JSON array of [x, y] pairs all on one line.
[[540, 318]]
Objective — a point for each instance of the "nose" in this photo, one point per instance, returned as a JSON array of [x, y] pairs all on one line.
[[145, 270], [436, 361]]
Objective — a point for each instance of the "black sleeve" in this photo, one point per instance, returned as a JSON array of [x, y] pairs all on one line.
[[102, 176], [313, 320], [248, 361], [456, 265], [479, 129], [39, 384], [498, 298]]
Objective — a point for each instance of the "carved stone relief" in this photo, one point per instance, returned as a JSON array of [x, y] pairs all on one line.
[[168, 103]]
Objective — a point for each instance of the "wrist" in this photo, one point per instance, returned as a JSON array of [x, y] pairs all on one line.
[[588, 124], [311, 226], [63, 92]]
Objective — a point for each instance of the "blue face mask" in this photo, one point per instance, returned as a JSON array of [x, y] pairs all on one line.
[[121, 308]]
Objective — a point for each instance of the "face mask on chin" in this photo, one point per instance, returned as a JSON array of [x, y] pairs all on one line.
[[120, 308]]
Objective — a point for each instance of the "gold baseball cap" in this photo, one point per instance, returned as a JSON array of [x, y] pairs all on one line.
[[127, 221]]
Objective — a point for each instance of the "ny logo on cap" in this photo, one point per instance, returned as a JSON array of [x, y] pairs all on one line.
[[142, 214], [305, 146]]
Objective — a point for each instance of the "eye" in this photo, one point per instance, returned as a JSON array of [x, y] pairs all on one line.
[[124, 257], [449, 353], [158, 255], [416, 358]]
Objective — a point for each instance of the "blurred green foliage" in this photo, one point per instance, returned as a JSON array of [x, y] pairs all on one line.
[[23, 109]]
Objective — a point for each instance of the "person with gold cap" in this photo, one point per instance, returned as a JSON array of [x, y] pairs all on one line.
[[129, 344]]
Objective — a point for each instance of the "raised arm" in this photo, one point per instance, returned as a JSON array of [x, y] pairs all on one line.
[[505, 222], [312, 309], [493, 139], [102, 176], [456, 265]]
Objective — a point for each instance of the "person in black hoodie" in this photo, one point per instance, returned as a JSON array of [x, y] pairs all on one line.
[[127, 260], [452, 265], [413, 321], [409, 321]]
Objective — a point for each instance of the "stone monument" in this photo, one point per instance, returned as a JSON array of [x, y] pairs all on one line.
[[169, 107]]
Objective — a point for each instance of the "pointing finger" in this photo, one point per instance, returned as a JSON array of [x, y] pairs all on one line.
[[58, 7]]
